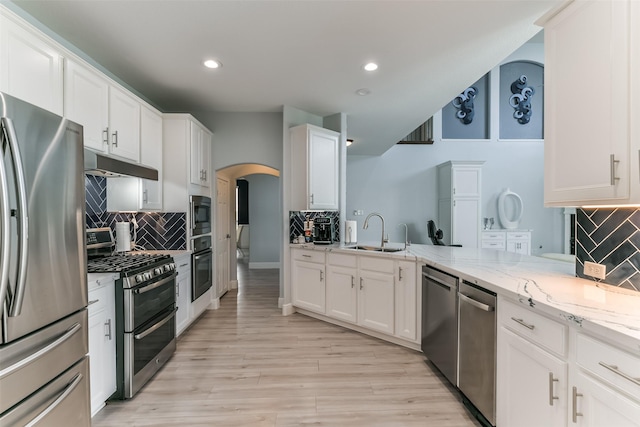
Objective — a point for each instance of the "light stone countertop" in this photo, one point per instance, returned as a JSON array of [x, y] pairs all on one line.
[[541, 283]]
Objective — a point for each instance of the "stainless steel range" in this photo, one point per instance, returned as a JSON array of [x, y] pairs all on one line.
[[145, 309]]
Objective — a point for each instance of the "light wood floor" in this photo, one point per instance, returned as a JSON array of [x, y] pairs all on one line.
[[247, 365]]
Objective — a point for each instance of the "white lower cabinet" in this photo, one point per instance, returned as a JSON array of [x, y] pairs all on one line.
[[102, 341], [550, 373], [377, 288], [342, 287], [308, 277], [375, 293], [183, 292], [532, 388]]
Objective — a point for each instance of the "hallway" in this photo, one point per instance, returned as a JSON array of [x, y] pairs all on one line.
[[247, 365]]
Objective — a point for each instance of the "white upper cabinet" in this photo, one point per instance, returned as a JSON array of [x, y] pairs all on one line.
[[151, 155], [591, 73], [110, 115], [200, 152], [86, 101], [31, 67], [315, 168]]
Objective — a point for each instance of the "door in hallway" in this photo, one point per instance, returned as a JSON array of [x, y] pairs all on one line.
[[223, 234]]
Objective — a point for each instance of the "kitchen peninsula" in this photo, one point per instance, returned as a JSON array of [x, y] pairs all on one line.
[[566, 347]]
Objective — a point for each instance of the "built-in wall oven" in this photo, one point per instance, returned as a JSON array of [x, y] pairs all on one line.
[[201, 266], [200, 215]]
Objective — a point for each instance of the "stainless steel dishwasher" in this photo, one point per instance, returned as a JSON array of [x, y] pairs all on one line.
[[477, 349], [440, 321]]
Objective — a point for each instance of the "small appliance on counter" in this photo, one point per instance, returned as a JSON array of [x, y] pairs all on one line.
[[323, 230]]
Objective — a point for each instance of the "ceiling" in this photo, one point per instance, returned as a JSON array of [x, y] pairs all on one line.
[[307, 54]]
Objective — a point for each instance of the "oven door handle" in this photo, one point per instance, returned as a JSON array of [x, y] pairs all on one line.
[[155, 285], [156, 326]]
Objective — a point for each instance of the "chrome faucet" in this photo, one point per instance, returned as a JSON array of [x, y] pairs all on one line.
[[366, 225], [406, 235]]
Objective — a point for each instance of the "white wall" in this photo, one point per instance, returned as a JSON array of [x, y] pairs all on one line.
[[264, 220]]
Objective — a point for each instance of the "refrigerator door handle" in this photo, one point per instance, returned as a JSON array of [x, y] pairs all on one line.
[[35, 356], [22, 217], [67, 391], [5, 224]]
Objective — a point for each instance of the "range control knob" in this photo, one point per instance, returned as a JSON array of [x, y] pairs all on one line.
[[139, 278], [172, 266], [157, 271], [148, 275]]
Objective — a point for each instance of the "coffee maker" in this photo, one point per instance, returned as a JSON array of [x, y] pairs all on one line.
[[323, 230]]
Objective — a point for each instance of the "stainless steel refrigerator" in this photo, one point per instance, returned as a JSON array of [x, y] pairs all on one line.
[[44, 367]]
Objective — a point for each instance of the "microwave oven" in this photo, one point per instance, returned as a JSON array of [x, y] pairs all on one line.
[[200, 215]]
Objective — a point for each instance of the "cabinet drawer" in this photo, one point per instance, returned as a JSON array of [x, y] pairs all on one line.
[[342, 260], [98, 300], [493, 235], [514, 235], [309, 256], [535, 327], [492, 244], [616, 366], [377, 264]]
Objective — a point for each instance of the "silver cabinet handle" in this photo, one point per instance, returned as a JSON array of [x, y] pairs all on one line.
[[353, 282], [321, 276], [551, 396], [311, 198], [612, 166], [615, 370], [107, 324], [574, 400], [475, 303], [361, 284], [105, 136], [306, 256], [38, 354], [183, 265], [523, 323], [114, 139], [145, 196], [67, 391], [93, 301], [399, 273]]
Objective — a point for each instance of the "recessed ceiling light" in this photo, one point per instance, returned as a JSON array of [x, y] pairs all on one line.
[[371, 66], [212, 63], [363, 92], [349, 142]]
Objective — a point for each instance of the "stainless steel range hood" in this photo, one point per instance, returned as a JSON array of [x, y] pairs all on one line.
[[103, 165]]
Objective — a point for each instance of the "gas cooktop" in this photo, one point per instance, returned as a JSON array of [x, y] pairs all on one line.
[[126, 263]]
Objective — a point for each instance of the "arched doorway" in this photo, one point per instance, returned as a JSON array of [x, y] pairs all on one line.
[[226, 235]]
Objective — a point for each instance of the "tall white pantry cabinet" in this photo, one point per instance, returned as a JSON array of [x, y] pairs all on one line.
[[459, 202]]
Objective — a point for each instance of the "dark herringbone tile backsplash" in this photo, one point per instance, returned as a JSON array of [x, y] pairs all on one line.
[[156, 230], [611, 237]]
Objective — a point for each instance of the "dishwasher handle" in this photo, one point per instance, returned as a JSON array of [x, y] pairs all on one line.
[[475, 303]]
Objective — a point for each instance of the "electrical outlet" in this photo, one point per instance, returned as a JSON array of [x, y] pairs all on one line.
[[358, 212], [599, 271]]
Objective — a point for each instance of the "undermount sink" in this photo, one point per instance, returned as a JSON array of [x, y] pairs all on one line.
[[375, 248]]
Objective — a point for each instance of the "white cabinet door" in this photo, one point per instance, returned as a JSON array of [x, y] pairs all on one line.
[[200, 153], [102, 344], [31, 68], [342, 293], [587, 97], [314, 168], [323, 170], [124, 124], [465, 220], [308, 286], [151, 155], [519, 246], [593, 404], [466, 181], [406, 308], [205, 159], [531, 384], [183, 300], [375, 301], [86, 101]]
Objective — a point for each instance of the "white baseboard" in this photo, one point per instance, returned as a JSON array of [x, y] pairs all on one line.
[[260, 265], [215, 304], [280, 302], [288, 309], [233, 284]]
